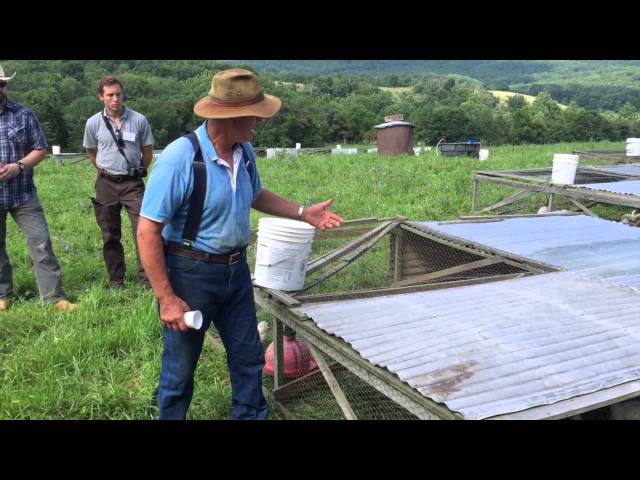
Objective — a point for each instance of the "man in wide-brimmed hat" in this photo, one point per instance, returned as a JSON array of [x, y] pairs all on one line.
[[22, 146], [207, 270]]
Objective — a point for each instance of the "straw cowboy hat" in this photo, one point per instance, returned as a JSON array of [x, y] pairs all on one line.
[[3, 78], [236, 93]]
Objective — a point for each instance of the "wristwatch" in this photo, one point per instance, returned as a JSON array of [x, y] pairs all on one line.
[[300, 210], [20, 166]]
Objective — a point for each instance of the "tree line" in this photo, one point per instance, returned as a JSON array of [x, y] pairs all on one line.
[[318, 110]]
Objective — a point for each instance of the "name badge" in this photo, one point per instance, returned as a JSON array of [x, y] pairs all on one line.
[[129, 136]]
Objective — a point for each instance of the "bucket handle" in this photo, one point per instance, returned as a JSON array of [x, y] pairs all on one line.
[[279, 261]]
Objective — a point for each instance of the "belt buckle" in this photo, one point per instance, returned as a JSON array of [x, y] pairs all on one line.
[[235, 258]]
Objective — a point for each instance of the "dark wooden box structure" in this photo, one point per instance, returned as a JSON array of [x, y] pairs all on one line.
[[460, 149]]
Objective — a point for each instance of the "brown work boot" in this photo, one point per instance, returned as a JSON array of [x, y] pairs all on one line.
[[66, 306], [4, 305]]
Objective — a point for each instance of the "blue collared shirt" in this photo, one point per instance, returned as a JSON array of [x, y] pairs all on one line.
[[225, 219], [20, 133]]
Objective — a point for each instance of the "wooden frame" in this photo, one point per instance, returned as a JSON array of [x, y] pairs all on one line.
[[531, 186]]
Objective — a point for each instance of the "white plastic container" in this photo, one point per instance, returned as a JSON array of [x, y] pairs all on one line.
[[193, 319], [55, 149], [633, 147], [564, 168], [283, 248], [344, 151], [484, 154]]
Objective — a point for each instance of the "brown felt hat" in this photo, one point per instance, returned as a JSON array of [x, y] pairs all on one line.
[[236, 93]]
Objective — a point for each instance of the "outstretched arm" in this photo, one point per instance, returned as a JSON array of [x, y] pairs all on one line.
[[316, 215]]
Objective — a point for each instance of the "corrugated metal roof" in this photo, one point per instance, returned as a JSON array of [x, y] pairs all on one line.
[[497, 348], [579, 243], [628, 169], [625, 187]]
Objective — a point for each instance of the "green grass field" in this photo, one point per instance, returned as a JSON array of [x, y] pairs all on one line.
[[103, 360]]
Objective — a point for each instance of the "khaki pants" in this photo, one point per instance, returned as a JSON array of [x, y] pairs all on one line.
[[111, 196]]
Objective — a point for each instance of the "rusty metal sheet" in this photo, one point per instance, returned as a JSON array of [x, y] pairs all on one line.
[[494, 349]]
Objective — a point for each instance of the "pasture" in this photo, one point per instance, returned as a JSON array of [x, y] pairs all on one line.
[[102, 361]]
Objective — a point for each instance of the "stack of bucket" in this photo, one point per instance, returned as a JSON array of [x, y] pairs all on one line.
[[283, 248], [564, 168], [633, 147]]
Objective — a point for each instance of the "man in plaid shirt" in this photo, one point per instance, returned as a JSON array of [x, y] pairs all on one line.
[[22, 146]]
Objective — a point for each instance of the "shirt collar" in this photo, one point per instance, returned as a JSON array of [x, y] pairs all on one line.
[[208, 150], [9, 105], [123, 116]]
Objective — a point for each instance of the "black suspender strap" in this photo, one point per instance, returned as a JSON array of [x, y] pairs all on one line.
[[196, 200]]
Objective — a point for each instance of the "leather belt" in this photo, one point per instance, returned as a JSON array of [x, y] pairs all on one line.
[[228, 259], [114, 178]]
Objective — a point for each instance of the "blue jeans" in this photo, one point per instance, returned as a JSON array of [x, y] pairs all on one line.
[[224, 295]]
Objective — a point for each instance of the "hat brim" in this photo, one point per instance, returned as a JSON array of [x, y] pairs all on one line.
[[265, 108], [6, 79]]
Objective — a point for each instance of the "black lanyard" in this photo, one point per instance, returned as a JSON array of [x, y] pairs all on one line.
[[118, 143]]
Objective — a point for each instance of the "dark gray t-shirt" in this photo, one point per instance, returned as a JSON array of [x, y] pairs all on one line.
[[135, 131]]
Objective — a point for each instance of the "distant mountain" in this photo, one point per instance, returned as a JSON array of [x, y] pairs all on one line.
[[596, 84], [491, 72]]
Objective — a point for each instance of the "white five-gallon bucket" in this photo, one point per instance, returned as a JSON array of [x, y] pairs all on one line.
[[282, 253], [633, 147], [55, 149], [564, 168], [484, 154]]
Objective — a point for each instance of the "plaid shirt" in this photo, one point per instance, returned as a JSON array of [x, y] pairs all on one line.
[[20, 133]]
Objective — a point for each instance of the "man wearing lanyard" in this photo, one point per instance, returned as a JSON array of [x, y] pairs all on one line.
[[22, 146], [119, 143]]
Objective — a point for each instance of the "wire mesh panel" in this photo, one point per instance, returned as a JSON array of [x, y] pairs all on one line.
[[309, 397], [305, 393], [420, 260]]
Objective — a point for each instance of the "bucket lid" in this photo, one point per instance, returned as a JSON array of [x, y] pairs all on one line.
[[633, 140]]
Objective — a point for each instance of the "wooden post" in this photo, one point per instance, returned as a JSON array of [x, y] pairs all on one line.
[[474, 196], [338, 394], [278, 353]]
